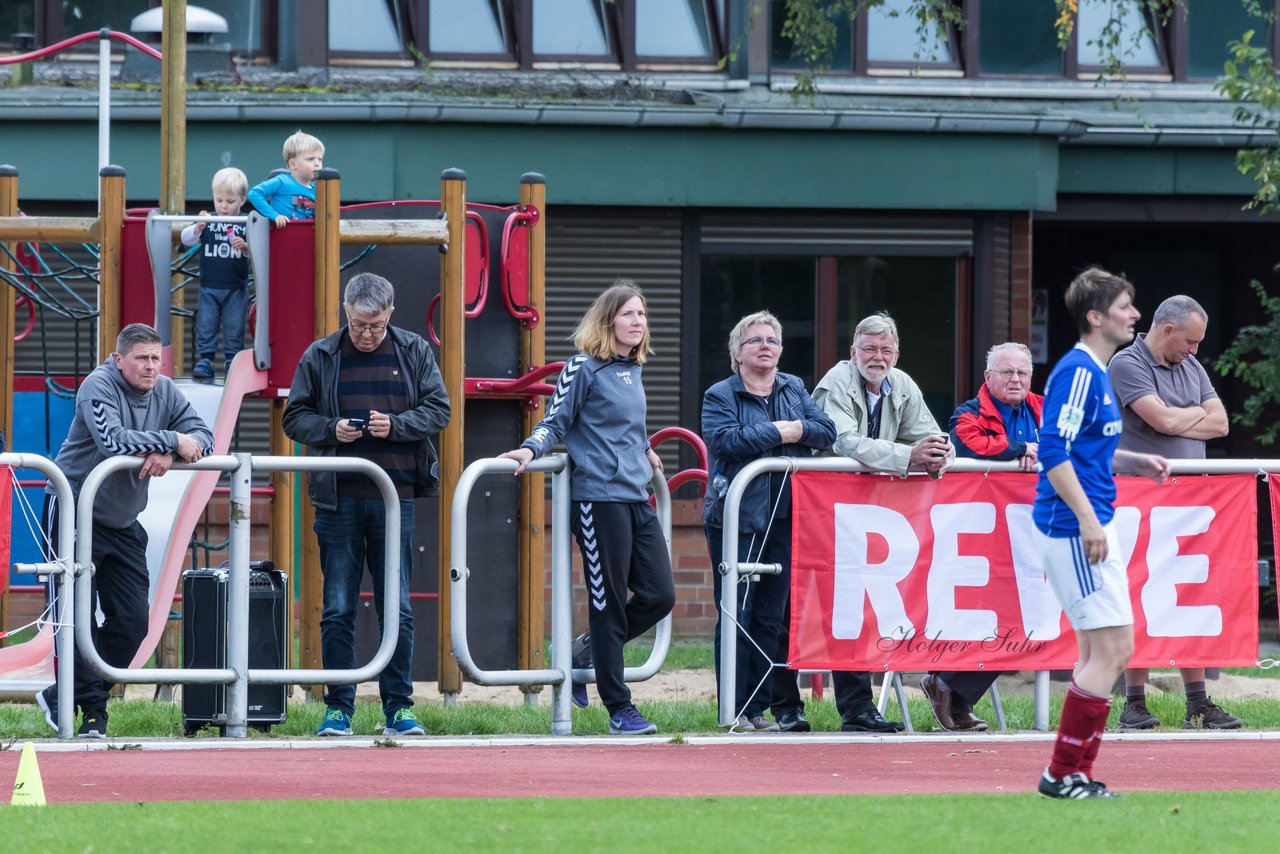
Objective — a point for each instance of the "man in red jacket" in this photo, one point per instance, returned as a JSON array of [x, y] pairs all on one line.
[[1001, 423]]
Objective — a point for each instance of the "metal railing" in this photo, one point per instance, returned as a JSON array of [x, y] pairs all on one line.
[[59, 567], [561, 672], [731, 568], [237, 673]]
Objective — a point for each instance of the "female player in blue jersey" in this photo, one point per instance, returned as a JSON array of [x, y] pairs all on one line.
[[1074, 506]]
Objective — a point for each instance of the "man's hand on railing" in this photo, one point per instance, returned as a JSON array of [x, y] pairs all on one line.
[[1029, 460], [188, 448], [930, 453], [155, 465]]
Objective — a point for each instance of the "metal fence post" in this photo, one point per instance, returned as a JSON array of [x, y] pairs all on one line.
[[561, 604], [238, 598]]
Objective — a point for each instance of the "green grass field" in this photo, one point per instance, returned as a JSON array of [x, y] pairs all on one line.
[[145, 719], [1214, 821], [141, 718]]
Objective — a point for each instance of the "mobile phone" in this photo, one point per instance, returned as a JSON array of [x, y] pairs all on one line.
[[357, 423]]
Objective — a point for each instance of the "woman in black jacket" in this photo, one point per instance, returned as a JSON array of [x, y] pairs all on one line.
[[759, 412]]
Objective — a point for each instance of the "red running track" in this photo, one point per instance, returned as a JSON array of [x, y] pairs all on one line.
[[589, 770]]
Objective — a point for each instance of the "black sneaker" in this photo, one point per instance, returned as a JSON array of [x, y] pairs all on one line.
[[1073, 786], [1210, 716], [793, 721], [1136, 715], [47, 700], [870, 720], [581, 660], [94, 725]]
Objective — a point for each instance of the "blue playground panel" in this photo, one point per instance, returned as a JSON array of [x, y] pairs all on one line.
[[29, 436]]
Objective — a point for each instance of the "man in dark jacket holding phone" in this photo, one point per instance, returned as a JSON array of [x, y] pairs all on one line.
[[373, 391]]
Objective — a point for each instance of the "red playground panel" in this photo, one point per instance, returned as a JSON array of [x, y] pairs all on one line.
[[292, 296]]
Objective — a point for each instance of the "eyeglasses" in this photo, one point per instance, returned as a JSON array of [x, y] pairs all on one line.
[[872, 352], [758, 341], [367, 328], [1013, 372]]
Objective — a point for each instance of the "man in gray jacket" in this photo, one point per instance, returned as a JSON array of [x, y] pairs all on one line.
[[881, 421], [123, 408], [372, 391]]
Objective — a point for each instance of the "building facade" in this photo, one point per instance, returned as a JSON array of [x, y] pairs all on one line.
[[956, 177]]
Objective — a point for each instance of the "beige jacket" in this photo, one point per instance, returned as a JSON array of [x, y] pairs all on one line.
[[903, 415]]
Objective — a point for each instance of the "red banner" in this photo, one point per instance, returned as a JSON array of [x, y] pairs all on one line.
[[917, 574], [1273, 492]]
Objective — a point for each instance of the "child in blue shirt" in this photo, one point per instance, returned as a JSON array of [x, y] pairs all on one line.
[[224, 275], [292, 196]]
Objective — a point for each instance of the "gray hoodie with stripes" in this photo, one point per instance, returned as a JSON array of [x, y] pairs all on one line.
[[598, 409], [113, 419]]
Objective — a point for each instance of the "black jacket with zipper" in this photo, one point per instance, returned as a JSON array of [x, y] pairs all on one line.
[[311, 415]]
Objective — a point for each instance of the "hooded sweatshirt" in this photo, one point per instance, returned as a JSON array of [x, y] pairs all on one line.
[[113, 419], [598, 408]]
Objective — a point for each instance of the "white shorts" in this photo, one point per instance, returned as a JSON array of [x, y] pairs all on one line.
[[1094, 596]]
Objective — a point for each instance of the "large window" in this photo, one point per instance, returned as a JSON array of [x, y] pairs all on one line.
[[1124, 29], [674, 28], [884, 39], [895, 37], [820, 299], [627, 34], [1018, 38], [19, 16], [365, 27], [245, 24], [250, 23], [1211, 25], [734, 286], [920, 294], [82, 16], [572, 29]]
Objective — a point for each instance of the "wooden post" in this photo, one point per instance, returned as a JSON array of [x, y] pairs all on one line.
[[111, 224], [173, 139], [453, 201], [326, 322], [328, 262], [532, 629], [8, 207]]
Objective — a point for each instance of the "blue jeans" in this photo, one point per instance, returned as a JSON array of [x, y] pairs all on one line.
[[225, 310], [350, 537]]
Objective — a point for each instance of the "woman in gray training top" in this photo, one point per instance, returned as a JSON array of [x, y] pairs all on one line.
[[598, 409]]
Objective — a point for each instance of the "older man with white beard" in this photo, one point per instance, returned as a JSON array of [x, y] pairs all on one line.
[[881, 421]]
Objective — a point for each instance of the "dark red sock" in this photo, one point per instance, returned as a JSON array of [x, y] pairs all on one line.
[[1083, 717], [1091, 751]]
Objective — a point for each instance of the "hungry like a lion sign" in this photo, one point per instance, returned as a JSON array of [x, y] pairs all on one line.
[[916, 574]]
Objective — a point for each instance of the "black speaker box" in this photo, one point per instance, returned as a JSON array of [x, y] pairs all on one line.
[[204, 644]]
